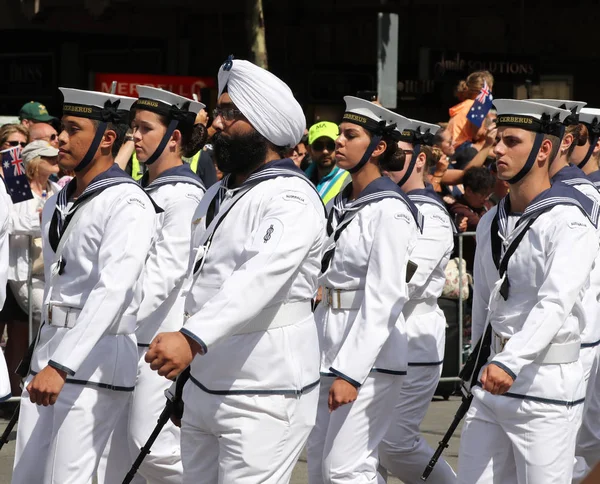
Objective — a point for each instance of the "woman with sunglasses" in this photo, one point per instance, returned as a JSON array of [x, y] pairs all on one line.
[[373, 228], [12, 135]]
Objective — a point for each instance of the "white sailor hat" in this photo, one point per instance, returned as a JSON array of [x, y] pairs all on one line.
[[168, 104], [532, 116], [100, 106], [371, 116], [589, 116], [424, 133], [574, 106]]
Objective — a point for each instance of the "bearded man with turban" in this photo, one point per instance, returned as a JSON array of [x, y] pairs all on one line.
[[249, 334]]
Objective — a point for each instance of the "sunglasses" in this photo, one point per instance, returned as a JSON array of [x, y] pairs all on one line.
[[321, 145], [228, 114], [17, 143], [52, 137]]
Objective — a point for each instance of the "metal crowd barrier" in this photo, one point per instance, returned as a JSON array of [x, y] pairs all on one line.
[[461, 311]]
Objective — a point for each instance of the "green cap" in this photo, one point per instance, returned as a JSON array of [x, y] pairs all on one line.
[[323, 128], [35, 111]]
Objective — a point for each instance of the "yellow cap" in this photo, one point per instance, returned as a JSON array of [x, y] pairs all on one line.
[[323, 128]]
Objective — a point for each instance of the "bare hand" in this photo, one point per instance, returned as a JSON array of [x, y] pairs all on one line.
[[341, 393], [202, 117], [46, 386], [463, 225], [490, 135], [495, 380], [171, 353]]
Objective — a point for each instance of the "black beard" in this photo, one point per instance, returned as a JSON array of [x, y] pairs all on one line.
[[240, 154]]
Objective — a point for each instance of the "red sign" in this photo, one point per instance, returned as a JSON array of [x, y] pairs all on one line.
[[185, 86]]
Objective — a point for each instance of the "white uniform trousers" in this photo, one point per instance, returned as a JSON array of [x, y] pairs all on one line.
[[510, 440], [243, 439], [342, 448], [403, 451], [163, 464], [587, 450], [62, 443]]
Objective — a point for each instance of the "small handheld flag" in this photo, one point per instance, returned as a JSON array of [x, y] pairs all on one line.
[[14, 175], [481, 106]]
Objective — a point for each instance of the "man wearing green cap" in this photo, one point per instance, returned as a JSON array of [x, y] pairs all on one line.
[[34, 112], [326, 176]]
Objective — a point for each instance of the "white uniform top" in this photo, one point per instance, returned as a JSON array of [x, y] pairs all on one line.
[[4, 226], [178, 192], [5, 205], [544, 304], [266, 253], [371, 255], [103, 259], [431, 254], [590, 335], [25, 222]]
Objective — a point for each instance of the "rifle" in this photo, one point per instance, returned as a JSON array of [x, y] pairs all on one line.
[[22, 371], [173, 407], [469, 376]]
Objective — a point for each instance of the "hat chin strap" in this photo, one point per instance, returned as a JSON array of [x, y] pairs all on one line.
[[163, 143], [367, 156], [539, 137], [411, 166], [89, 156], [588, 155]]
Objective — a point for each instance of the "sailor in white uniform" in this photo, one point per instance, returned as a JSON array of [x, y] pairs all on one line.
[[528, 299], [561, 171], [373, 229], [250, 336], [163, 129], [403, 451], [588, 440], [96, 235], [5, 208]]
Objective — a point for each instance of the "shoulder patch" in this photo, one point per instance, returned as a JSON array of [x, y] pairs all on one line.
[[193, 196], [402, 216], [297, 197], [136, 201], [574, 224]]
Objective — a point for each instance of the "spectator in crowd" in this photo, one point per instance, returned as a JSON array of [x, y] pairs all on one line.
[[323, 172], [45, 132], [34, 112], [299, 154], [463, 131], [12, 135], [478, 183], [40, 161]]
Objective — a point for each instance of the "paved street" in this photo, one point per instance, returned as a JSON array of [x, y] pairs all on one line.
[[438, 419]]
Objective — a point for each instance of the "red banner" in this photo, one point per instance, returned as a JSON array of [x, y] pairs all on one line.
[[126, 83]]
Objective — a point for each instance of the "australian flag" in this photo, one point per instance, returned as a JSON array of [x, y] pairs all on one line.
[[481, 106], [14, 175]]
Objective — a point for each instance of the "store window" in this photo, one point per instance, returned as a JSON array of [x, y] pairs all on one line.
[[550, 87]]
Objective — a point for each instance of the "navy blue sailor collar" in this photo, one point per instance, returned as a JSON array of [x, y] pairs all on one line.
[[594, 177], [178, 174], [378, 189], [557, 194], [272, 169], [428, 195], [571, 175]]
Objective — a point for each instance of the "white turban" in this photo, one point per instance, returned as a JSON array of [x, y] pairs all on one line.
[[265, 100]]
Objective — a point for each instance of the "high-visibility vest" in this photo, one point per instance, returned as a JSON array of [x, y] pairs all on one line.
[[336, 185], [193, 161]]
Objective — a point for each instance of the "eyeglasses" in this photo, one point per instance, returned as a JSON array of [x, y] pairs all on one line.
[[17, 143], [321, 145], [52, 137], [228, 114]]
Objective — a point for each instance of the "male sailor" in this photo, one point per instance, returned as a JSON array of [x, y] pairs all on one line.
[[562, 171], [522, 424], [96, 234], [403, 451], [163, 129], [251, 398]]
